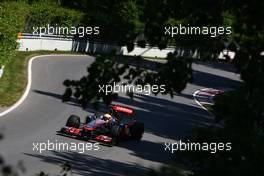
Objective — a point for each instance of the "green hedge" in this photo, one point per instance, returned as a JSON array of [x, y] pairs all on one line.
[[12, 18], [21, 17], [42, 14]]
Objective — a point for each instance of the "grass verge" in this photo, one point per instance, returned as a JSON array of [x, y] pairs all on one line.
[[14, 80]]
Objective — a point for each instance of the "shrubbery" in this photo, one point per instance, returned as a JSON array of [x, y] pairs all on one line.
[[21, 17], [42, 14], [12, 17]]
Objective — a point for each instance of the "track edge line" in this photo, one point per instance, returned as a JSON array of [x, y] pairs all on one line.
[[29, 81]]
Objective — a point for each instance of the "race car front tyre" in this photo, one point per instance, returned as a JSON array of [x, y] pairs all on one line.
[[73, 121], [137, 130]]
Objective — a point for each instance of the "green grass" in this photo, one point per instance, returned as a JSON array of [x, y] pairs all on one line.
[[14, 80]]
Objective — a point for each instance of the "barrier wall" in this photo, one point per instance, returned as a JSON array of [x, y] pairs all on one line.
[[33, 43]]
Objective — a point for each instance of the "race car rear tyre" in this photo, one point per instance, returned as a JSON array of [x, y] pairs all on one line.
[[115, 130], [137, 130], [115, 133], [73, 121], [115, 141]]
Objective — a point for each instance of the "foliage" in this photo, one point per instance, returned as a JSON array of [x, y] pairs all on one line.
[[107, 70], [119, 21], [126, 18], [42, 14], [12, 18], [243, 127], [240, 111], [20, 17], [188, 13], [104, 71]]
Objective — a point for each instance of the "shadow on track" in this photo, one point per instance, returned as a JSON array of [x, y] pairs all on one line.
[[210, 80], [166, 118], [148, 150], [85, 164]]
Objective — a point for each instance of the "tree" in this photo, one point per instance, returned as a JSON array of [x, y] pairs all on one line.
[[123, 21], [108, 70], [240, 111]]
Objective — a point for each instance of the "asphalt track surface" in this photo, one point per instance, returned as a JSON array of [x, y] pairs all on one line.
[[42, 113]]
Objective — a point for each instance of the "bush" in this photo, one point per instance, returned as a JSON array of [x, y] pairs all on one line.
[[42, 14], [12, 18], [21, 17]]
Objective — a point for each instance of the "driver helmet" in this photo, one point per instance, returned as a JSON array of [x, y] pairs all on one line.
[[107, 117]]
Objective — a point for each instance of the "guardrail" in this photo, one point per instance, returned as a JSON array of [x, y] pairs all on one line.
[[29, 42]]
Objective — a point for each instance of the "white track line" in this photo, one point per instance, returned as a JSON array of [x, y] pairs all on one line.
[[25, 94], [199, 103], [206, 103], [194, 97]]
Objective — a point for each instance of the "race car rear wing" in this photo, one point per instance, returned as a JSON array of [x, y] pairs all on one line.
[[127, 110]]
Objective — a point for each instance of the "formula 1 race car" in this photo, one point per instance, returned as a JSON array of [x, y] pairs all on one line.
[[109, 128]]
